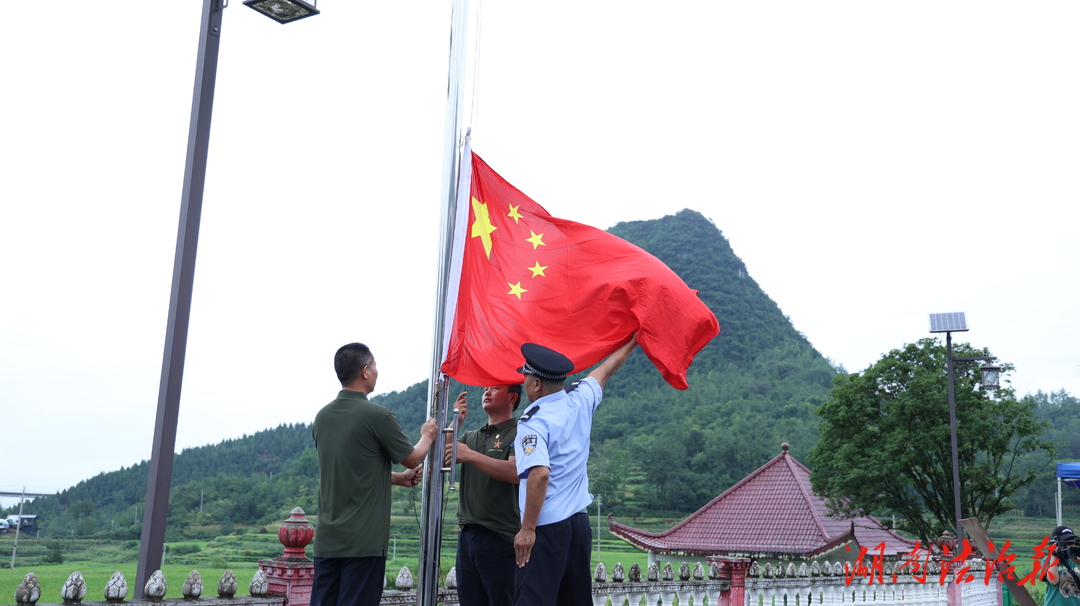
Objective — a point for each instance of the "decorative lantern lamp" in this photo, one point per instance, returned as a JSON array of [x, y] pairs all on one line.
[[990, 376]]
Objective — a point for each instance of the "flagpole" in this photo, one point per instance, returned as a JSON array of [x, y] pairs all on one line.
[[432, 493]]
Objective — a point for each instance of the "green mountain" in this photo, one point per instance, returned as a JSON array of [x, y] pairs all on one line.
[[656, 450]]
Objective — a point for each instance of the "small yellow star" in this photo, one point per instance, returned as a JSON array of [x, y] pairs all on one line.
[[536, 239], [514, 214], [516, 289], [538, 270]]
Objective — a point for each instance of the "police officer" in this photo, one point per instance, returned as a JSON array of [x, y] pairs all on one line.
[[552, 449]]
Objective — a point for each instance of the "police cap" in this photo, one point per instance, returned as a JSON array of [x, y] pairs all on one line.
[[545, 363]]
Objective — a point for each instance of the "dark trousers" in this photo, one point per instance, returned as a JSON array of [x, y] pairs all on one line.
[[558, 569], [485, 568], [348, 581]]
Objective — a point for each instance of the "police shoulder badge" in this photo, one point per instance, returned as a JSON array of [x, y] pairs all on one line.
[[528, 443]]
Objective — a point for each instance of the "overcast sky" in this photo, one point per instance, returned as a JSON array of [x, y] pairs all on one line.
[[870, 162]]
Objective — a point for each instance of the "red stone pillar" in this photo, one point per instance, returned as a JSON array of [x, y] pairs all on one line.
[[734, 570], [954, 592], [292, 574]]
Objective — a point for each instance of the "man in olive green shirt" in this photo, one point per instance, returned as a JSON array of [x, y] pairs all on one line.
[[357, 443], [488, 501]]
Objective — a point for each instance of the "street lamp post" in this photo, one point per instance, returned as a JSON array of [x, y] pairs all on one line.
[[949, 323], [176, 332]]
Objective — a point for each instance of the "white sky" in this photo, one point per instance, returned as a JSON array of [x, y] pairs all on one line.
[[870, 162]]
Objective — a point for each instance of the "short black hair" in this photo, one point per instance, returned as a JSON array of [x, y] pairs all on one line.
[[350, 360], [515, 389]]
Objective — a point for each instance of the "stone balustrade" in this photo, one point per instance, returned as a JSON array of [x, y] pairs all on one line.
[[721, 581], [831, 584], [74, 591]]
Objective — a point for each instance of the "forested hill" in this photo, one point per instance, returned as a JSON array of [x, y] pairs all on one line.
[[654, 448]]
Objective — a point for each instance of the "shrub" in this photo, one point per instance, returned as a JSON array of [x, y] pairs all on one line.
[[55, 555], [184, 549]]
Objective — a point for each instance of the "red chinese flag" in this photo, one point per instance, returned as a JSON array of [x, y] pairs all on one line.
[[529, 277]]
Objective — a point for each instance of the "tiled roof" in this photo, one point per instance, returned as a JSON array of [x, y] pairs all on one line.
[[771, 511]]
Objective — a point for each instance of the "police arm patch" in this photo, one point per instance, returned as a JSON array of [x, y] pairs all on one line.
[[528, 444]]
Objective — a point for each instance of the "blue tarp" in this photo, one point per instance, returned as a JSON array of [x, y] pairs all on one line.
[[1069, 473]]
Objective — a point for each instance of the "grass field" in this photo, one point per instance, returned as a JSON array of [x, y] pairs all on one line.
[[98, 560]]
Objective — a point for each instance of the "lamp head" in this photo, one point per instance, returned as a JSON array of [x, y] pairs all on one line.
[[990, 376], [283, 11]]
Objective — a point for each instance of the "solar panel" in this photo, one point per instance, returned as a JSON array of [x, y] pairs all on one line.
[[950, 322]]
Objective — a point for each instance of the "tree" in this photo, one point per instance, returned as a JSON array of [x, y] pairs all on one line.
[[885, 441]]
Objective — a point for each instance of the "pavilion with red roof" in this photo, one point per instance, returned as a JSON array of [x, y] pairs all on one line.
[[770, 514]]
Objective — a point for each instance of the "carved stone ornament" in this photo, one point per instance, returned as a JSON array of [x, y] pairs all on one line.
[[116, 589], [714, 571], [754, 570], [451, 578], [815, 569], [618, 574], [635, 573], [74, 589], [669, 572], [600, 574], [804, 570], [791, 571], [295, 533], [29, 591], [653, 573], [826, 569], [258, 586], [226, 587], [156, 588], [684, 571], [404, 581], [767, 571], [699, 572], [192, 587]]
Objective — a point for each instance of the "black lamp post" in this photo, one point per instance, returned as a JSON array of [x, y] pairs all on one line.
[[151, 547], [949, 323]]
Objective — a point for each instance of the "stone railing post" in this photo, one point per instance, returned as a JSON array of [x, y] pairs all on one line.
[[733, 570], [292, 574]]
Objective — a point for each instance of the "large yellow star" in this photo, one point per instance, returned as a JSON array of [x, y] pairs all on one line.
[[514, 214], [536, 239], [538, 270], [482, 225], [516, 289]]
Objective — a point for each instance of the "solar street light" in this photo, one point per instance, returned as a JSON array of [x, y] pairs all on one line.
[[949, 323]]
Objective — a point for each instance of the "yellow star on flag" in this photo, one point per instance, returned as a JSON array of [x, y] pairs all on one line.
[[538, 270], [536, 239], [514, 214], [482, 225], [516, 289]]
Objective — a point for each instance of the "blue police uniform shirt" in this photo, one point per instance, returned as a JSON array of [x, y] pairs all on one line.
[[557, 437]]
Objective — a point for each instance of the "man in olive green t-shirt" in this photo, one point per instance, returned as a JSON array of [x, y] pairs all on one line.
[[488, 501], [358, 442]]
